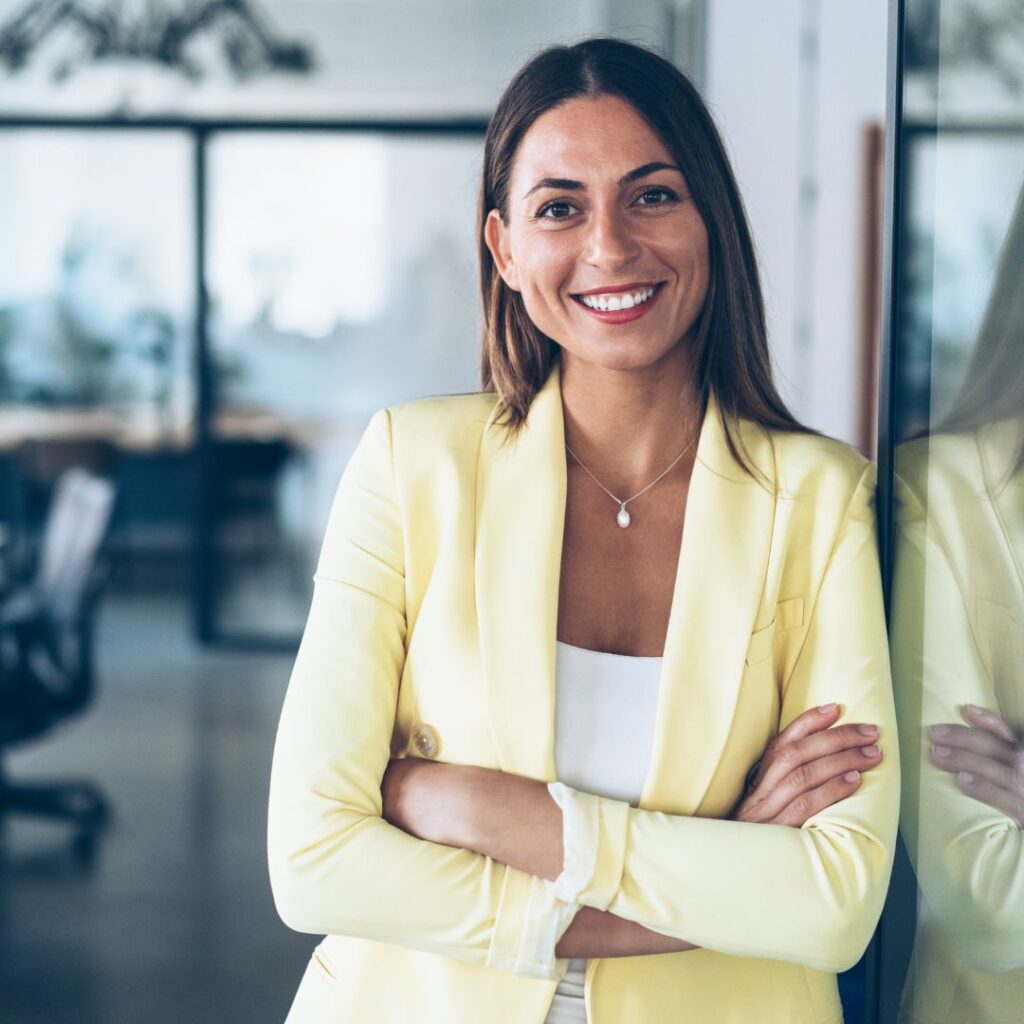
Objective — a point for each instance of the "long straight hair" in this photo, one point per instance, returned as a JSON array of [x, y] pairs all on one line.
[[730, 342], [993, 385]]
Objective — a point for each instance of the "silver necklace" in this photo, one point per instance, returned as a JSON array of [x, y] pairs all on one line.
[[623, 518]]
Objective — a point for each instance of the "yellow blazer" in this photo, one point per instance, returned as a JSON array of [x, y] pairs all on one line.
[[958, 637], [432, 633]]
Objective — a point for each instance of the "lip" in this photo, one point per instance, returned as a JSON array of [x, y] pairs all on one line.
[[621, 316], [612, 289]]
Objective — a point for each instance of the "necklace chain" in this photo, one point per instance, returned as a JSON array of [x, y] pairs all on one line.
[[623, 517]]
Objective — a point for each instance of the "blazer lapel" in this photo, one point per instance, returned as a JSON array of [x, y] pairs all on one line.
[[520, 518], [720, 582]]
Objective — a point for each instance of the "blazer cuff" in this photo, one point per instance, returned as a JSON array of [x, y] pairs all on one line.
[[529, 923], [594, 832]]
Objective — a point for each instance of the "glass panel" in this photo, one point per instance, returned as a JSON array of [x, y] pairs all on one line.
[[96, 321], [958, 540], [352, 289]]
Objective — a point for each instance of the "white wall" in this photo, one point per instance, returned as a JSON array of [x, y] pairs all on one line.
[[793, 115]]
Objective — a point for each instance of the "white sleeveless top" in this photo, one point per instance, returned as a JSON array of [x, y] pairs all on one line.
[[605, 706]]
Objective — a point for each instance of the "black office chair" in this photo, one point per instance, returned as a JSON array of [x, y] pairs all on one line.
[[46, 665]]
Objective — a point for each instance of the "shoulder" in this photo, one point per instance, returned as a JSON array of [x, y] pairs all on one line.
[[955, 459], [812, 463], [447, 421], [825, 501], [949, 474], [428, 439], [823, 470]]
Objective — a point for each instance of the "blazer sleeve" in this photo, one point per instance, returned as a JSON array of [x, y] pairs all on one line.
[[336, 865], [969, 857], [809, 895]]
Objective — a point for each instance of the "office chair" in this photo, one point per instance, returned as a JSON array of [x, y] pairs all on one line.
[[46, 665]]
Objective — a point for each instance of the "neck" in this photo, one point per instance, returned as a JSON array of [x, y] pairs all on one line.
[[627, 426]]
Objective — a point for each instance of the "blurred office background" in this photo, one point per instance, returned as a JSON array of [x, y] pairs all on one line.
[[229, 232]]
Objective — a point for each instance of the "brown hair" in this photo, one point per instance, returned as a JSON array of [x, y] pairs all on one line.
[[730, 339], [993, 385]]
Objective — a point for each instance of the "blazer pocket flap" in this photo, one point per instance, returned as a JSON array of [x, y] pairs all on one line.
[[996, 618], [1000, 630], [760, 646], [789, 614]]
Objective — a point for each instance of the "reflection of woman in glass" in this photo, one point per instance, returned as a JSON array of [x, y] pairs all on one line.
[[506, 596], [958, 663]]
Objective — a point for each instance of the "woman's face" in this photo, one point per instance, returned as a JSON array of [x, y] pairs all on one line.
[[598, 213]]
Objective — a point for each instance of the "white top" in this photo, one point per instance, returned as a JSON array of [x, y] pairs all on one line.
[[605, 707]]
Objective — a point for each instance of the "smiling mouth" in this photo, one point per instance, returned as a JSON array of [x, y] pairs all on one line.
[[610, 301]]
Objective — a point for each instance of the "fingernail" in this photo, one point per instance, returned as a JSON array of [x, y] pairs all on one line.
[[852, 776], [966, 777], [827, 709], [938, 730], [940, 751], [871, 751], [977, 710], [867, 730]]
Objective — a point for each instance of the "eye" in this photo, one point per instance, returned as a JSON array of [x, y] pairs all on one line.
[[662, 196], [555, 204]]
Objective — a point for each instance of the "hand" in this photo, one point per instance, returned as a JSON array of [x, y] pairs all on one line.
[[808, 767], [986, 756], [428, 799]]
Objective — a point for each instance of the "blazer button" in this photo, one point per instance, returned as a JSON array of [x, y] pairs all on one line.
[[426, 740]]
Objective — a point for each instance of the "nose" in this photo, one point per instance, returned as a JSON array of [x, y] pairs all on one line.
[[610, 241]]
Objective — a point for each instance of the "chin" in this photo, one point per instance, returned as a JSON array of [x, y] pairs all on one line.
[[623, 359]]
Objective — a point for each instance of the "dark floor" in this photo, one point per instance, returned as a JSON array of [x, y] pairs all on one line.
[[175, 921]]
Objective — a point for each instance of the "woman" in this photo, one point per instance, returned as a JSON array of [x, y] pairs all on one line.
[[488, 551]]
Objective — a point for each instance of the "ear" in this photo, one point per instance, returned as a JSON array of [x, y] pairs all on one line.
[[496, 235]]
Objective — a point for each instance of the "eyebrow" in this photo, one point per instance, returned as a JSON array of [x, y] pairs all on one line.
[[578, 186]]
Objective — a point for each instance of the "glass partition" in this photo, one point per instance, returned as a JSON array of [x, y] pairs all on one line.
[[956, 447], [97, 324], [342, 279]]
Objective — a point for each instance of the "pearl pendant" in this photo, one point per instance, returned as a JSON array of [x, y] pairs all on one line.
[[623, 517]]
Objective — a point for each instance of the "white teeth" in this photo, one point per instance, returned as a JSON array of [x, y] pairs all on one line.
[[618, 300]]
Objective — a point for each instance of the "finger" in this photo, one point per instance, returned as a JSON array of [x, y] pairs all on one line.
[[810, 776], [986, 719], [781, 760], [807, 722], [975, 740], [950, 759], [817, 800], [1010, 804]]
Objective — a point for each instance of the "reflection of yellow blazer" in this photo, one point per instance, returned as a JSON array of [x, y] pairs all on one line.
[[432, 632], [958, 637]]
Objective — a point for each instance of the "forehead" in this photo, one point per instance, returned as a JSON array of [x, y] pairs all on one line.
[[593, 137]]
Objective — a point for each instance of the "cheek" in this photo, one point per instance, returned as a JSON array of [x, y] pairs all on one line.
[[695, 260], [546, 269], [702, 270], [693, 245]]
